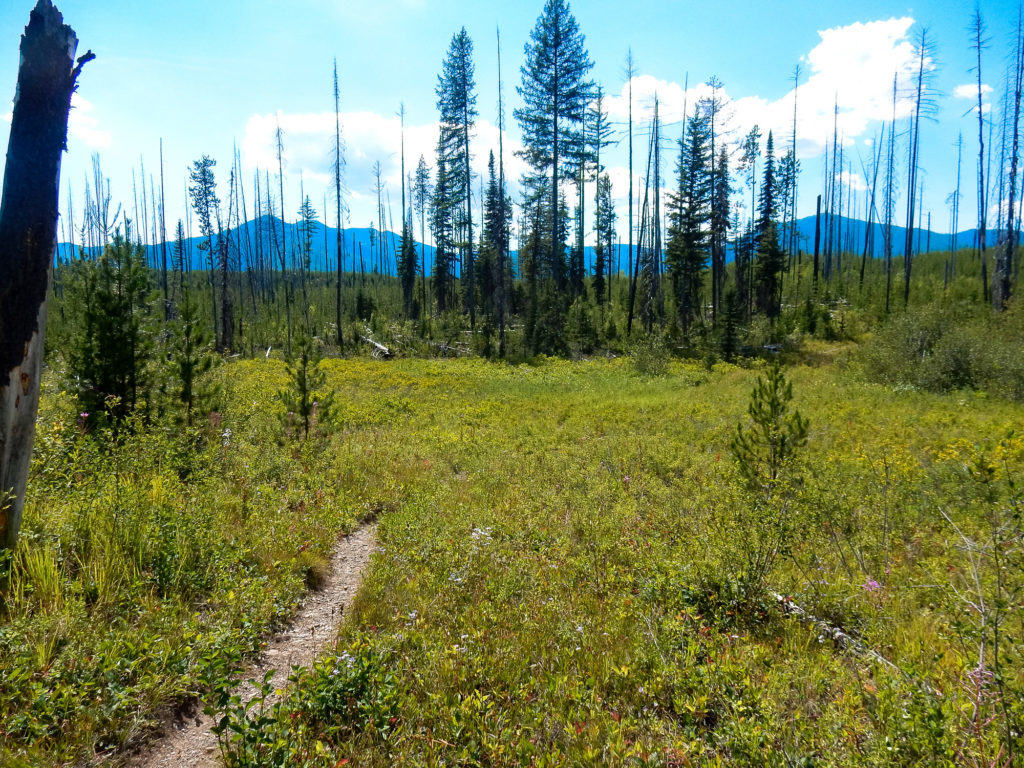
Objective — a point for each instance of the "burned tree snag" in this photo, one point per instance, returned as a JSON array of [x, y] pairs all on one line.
[[28, 235]]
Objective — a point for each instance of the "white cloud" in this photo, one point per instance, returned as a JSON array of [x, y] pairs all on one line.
[[83, 125], [369, 137], [854, 64], [970, 91]]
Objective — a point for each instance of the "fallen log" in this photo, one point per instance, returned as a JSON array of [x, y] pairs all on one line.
[[846, 641], [379, 350]]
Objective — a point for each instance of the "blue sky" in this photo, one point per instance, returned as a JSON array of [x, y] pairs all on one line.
[[206, 75]]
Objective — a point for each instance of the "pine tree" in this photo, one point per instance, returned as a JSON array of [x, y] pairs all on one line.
[[112, 345], [767, 208], [721, 187], [203, 192], [555, 91], [421, 193], [307, 399], [190, 358], [456, 102], [689, 215], [750, 148], [771, 261], [494, 273], [307, 229], [604, 235], [407, 267], [441, 220]]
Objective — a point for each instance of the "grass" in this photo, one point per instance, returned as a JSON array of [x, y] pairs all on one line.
[[556, 580]]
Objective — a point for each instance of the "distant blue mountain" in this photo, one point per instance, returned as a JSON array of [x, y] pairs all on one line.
[[356, 245], [358, 252], [854, 232]]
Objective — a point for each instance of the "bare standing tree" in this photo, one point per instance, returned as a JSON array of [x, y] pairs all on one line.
[[1004, 257], [338, 166], [47, 76], [979, 42], [955, 213], [630, 73], [889, 199], [283, 251], [923, 51]]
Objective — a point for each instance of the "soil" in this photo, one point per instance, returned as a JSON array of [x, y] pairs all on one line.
[[188, 742]]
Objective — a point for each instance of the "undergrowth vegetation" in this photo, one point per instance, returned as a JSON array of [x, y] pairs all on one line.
[[941, 348], [563, 572], [561, 577], [152, 561]]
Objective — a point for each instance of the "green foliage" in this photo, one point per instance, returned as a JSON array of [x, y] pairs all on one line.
[[364, 305], [343, 695], [941, 349], [111, 349], [768, 269], [729, 342], [580, 331], [649, 355], [765, 451], [690, 213], [306, 401], [191, 358], [555, 581], [766, 448], [152, 564], [407, 264]]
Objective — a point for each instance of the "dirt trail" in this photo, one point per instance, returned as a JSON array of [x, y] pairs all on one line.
[[190, 744]]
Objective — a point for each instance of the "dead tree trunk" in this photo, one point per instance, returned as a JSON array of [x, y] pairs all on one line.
[[28, 237]]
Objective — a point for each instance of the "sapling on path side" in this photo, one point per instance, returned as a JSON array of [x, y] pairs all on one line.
[[191, 356], [306, 400]]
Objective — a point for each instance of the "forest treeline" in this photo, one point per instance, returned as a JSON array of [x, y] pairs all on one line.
[[713, 265]]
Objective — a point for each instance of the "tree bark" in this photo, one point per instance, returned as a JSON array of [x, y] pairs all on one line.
[[28, 236]]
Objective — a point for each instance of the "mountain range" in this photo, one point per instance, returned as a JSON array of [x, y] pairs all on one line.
[[359, 249]]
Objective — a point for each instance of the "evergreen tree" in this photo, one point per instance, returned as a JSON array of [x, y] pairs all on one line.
[[306, 400], [203, 193], [729, 342], [689, 216], [308, 226], [769, 188], [456, 102], [555, 90], [112, 346], [407, 267], [307, 231], [788, 169], [178, 256], [495, 276], [721, 188], [441, 220], [190, 358], [421, 193], [771, 261], [604, 232], [598, 136]]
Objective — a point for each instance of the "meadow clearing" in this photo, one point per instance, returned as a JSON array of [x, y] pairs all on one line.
[[557, 580]]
